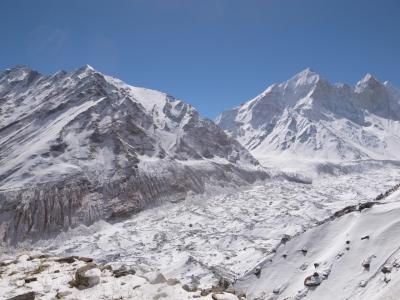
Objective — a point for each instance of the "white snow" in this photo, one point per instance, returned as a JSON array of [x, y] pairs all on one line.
[[339, 250]]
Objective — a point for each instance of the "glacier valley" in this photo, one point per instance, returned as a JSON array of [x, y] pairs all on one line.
[[293, 195]]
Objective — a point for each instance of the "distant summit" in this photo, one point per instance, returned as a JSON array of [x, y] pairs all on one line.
[[306, 116]]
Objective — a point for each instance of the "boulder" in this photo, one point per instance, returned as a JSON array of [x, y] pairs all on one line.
[[313, 280], [106, 268], [24, 257], [205, 292], [366, 263], [26, 296], [7, 262], [276, 291], [155, 278], [38, 256], [68, 260], [363, 283], [30, 279], [85, 259], [87, 276], [123, 271], [188, 288], [386, 269], [224, 283], [285, 238], [224, 296], [63, 294], [172, 281], [257, 271]]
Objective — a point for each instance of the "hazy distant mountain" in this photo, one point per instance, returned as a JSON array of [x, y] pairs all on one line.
[[307, 116], [79, 146]]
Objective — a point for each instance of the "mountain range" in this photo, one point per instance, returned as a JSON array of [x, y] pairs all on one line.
[[308, 117], [80, 146]]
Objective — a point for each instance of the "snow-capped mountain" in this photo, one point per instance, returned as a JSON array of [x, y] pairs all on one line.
[[83, 148], [79, 146], [309, 117]]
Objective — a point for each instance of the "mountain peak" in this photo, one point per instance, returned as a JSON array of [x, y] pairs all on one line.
[[368, 81], [305, 77], [308, 72], [17, 73], [85, 70], [18, 69], [87, 67], [368, 78]]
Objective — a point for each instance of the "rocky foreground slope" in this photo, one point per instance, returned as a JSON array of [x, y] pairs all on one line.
[[30, 277], [308, 117], [81, 146]]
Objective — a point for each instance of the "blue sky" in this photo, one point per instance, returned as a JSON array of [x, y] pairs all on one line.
[[214, 54]]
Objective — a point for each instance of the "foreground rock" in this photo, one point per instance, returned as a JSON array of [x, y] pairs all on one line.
[[313, 280], [224, 296], [87, 276], [26, 296], [90, 282]]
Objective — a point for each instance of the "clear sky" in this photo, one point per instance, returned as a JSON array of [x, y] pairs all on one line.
[[214, 54]]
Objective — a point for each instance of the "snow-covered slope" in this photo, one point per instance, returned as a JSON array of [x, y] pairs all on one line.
[[79, 146], [208, 236], [356, 256], [308, 117]]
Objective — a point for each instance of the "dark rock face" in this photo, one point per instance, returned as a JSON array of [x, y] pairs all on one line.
[[33, 212]]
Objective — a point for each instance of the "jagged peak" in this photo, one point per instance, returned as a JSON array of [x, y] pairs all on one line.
[[306, 73], [60, 73], [19, 68], [17, 73], [305, 77], [85, 70], [366, 83], [87, 67], [368, 79]]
